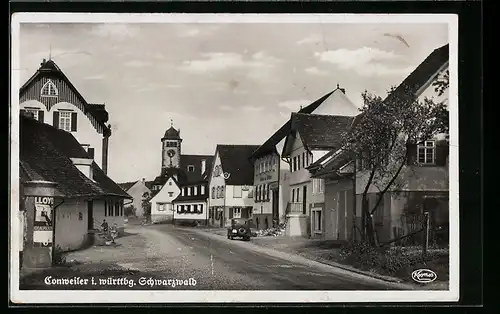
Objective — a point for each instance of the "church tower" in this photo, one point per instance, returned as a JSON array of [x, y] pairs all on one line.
[[171, 149]]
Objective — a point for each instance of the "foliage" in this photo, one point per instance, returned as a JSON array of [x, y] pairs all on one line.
[[383, 133], [385, 260], [59, 257], [146, 205], [130, 211]]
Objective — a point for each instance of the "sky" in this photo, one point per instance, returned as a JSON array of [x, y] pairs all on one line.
[[218, 83]]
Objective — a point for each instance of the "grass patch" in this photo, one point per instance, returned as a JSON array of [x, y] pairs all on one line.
[[398, 262]]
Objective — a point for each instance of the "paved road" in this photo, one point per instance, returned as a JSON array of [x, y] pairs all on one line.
[[218, 263]]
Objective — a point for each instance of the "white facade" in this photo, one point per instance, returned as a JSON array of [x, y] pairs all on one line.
[[217, 185], [162, 208], [85, 132]]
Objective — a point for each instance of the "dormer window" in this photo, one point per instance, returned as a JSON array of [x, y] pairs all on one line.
[[49, 89], [190, 168]]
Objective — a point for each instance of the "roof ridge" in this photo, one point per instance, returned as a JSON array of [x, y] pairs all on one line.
[[321, 115]]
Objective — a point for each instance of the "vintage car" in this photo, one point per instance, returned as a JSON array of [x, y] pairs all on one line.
[[240, 228]]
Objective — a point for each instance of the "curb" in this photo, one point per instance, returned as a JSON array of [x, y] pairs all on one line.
[[343, 267]]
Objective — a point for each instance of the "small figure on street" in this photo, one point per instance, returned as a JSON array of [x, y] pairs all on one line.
[[104, 225], [114, 233]]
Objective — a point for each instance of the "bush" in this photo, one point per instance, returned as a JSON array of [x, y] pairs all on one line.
[[130, 211], [59, 257], [384, 260]]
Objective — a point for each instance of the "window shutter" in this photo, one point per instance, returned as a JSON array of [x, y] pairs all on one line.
[[442, 151], [91, 152], [231, 213], [40, 116], [74, 118], [55, 122], [412, 154]]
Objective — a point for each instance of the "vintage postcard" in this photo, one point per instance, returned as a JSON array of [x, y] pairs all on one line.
[[208, 158]]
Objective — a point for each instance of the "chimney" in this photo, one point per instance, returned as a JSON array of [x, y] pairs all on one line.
[[85, 166], [203, 166], [43, 62], [341, 89], [143, 180]]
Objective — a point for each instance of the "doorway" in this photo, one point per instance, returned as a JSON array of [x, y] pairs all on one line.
[[304, 200], [90, 216], [275, 206]]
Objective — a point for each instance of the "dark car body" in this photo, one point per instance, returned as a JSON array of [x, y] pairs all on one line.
[[240, 228]]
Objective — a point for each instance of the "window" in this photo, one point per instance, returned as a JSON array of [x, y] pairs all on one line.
[[266, 192], [275, 163], [261, 194], [307, 158], [218, 192], [304, 160], [182, 209], [171, 144], [237, 191], [190, 168], [297, 195], [318, 186], [293, 195], [298, 162], [202, 192], [195, 208], [193, 190], [33, 112], [49, 90], [169, 182], [294, 164], [188, 191], [222, 192], [213, 192], [236, 212], [250, 193], [170, 194], [200, 209], [65, 120], [427, 152]]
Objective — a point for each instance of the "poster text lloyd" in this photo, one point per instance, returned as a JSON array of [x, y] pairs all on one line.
[[44, 200]]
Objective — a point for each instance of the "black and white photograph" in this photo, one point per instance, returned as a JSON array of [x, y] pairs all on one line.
[[256, 158]]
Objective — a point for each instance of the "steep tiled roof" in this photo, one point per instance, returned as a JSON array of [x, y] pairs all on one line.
[[50, 68], [126, 185], [320, 131], [45, 154], [185, 177], [420, 76], [171, 134], [235, 160], [282, 132]]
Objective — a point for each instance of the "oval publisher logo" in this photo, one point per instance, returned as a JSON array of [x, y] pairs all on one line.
[[423, 275]]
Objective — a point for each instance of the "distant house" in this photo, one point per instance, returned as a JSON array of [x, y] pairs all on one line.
[[51, 98], [311, 137], [424, 180], [181, 175], [333, 103], [231, 184], [49, 154], [137, 190]]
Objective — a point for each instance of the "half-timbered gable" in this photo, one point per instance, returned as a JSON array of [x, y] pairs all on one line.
[[51, 98]]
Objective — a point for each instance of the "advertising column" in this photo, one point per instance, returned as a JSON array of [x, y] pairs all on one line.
[[43, 228]]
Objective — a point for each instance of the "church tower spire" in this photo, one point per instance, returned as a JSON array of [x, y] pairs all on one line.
[[171, 149]]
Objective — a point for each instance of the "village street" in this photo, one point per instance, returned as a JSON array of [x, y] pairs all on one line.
[[170, 252]]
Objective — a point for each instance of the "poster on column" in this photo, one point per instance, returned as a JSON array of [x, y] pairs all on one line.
[[42, 235]]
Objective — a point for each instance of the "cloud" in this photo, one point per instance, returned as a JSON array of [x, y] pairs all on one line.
[[193, 31], [94, 77], [137, 63], [316, 71], [252, 108], [312, 39], [294, 105], [173, 86], [365, 61], [221, 61], [115, 30], [225, 108]]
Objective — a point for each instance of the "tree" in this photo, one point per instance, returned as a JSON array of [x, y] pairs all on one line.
[[386, 128], [146, 205], [130, 211]]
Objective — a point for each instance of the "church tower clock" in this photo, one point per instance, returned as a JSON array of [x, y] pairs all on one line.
[[171, 149]]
